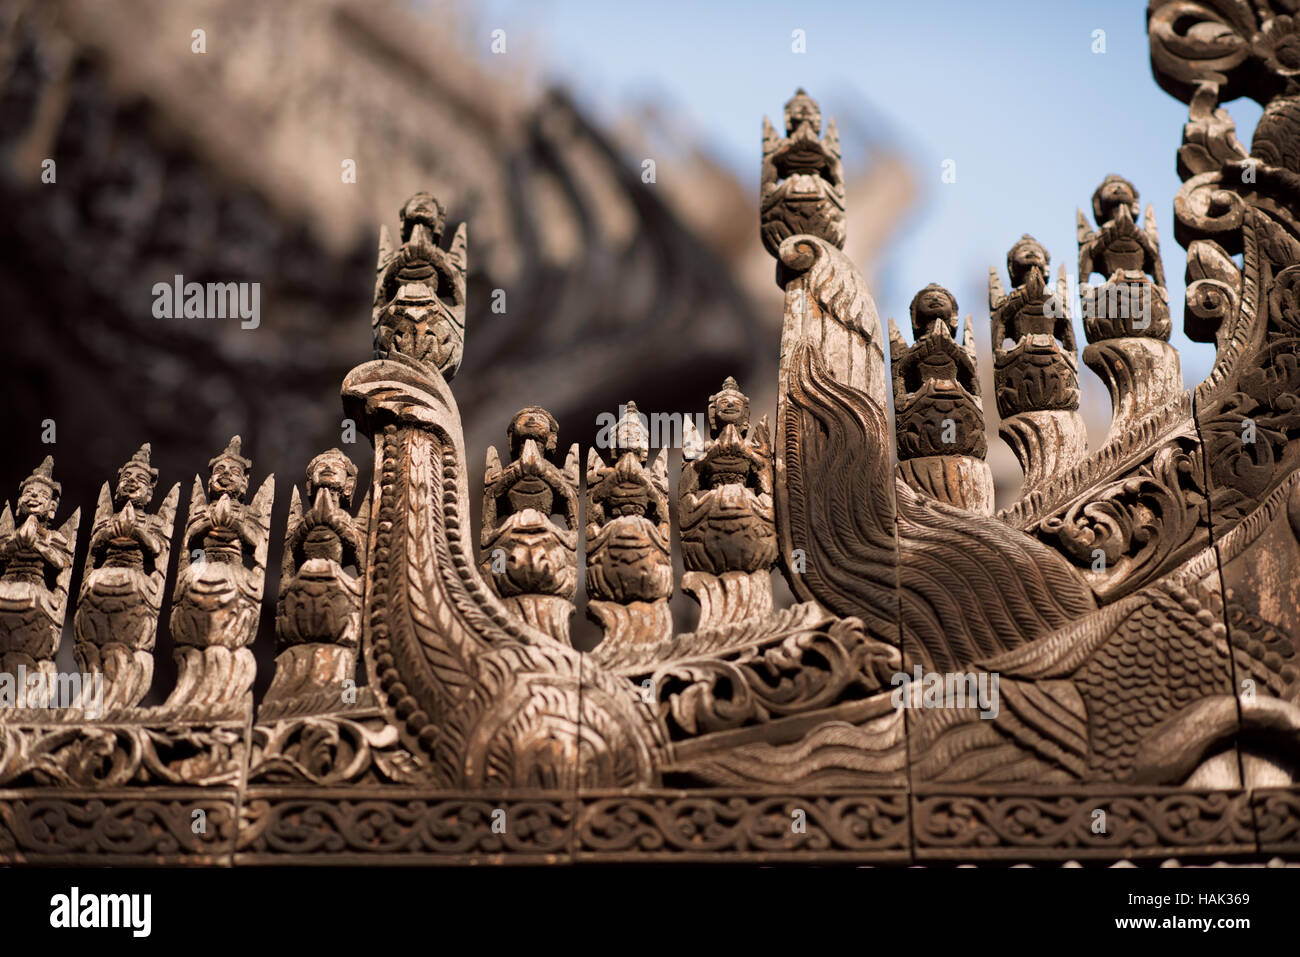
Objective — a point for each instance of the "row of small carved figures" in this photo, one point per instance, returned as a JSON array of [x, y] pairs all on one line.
[[219, 583], [529, 555]]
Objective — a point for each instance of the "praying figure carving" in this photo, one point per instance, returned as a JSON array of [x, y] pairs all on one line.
[[35, 567], [802, 178], [318, 615], [1133, 300], [1035, 365], [726, 512], [1126, 318], [219, 584], [419, 306], [530, 524], [939, 415], [122, 589], [629, 567]]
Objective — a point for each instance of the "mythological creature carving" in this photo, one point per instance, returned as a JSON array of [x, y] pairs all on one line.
[[122, 589], [530, 524], [219, 581], [1124, 636], [35, 568]]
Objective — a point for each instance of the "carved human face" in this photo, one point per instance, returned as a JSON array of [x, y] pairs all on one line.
[[228, 478], [37, 498], [934, 304], [532, 424], [1025, 257], [421, 208], [135, 485], [731, 408], [331, 472], [1115, 193]]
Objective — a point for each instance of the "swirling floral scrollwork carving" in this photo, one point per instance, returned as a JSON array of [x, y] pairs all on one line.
[[805, 671], [1127, 531]]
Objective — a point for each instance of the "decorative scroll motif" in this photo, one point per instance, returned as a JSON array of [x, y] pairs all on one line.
[[123, 828], [802, 179], [1235, 201], [359, 748], [810, 668], [739, 825], [219, 582], [629, 567], [362, 824], [726, 513], [318, 616], [419, 308], [114, 755], [35, 567], [122, 589], [1036, 380], [1122, 534], [530, 559], [989, 825], [939, 416]]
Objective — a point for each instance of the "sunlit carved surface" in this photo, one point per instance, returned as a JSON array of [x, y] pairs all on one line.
[[951, 684]]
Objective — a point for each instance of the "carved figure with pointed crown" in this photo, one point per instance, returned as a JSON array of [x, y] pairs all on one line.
[[318, 615], [529, 558], [219, 583], [419, 306], [803, 177], [122, 590], [1035, 365], [1133, 300], [629, 568], [35, 566], [726, 512], [939, 415]]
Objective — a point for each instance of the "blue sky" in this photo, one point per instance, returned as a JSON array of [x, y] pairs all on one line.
[[1011, 91]]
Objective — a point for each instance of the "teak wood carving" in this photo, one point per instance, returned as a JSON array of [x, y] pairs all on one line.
[[952, 683]]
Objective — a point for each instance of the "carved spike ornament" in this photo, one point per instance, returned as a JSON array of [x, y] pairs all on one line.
[[951, 684]]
